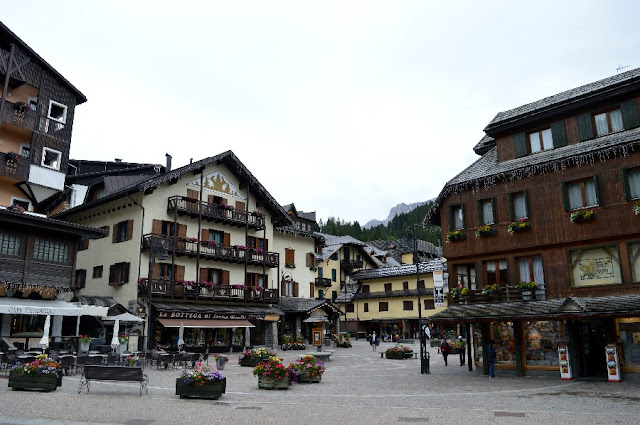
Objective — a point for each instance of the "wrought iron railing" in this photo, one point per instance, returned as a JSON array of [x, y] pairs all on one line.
[[216, 212], [323, 281], [504, 294], [351, 264], [206, 291]]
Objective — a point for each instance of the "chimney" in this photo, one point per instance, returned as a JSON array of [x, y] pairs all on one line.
[[168, 167]]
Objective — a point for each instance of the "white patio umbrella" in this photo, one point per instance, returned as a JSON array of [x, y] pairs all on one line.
[[180, 335], [44, 342], [115, 342]]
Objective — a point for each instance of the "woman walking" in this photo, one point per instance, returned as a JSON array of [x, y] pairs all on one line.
[[374, 341]]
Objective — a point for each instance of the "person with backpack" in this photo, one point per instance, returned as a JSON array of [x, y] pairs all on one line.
[[444, 349], [491, 357]]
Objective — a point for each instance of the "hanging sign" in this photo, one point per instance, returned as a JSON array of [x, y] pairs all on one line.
[[613, 363], [565, 364], [438, 288]]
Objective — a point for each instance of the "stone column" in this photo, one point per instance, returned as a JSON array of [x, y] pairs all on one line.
[[298, 329], [247, 337], [56, 328]]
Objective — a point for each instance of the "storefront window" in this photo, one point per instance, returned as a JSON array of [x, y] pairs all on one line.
[[629, 331], [502, 334], [542, 340]]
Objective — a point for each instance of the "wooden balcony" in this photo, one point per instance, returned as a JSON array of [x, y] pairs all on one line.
[[198, 291], [211, 251], [18, 170], [351, 264], [215, 212], [323, 282], [505, 294], [22, 122]]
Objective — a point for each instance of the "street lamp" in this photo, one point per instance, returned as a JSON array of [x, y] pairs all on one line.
[[423, 364]]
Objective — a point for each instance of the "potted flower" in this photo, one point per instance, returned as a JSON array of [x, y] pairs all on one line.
[[290, 265], [485, 230], [456, 235], [273, 375], [132, 361], [460, 290], [581, 216], [399, 352], [13, 157], [636, 208], [16, 208], [221, 360], [123, 339], [491, 289], [84, 342], [527, 286], [308, 369], [520, 225], [254, 356], [201, 382], [42, 374], [22, 107]]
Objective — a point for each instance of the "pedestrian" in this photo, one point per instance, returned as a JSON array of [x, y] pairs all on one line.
[[460, 345], [374, 341], [491, 356], [444, 349], [427, 332]]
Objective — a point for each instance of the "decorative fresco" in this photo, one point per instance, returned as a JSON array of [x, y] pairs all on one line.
[[597, 266], [219, 184]]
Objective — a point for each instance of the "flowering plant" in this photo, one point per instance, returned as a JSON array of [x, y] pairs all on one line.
[[132, 360], [207, 284], [42, 365], [520, 225], [309, 363], [274, 369], [188, 284], [636, 208], [201, 374], [238, 287], [399, 348], [85, 339], [258, 251], [115, 284], [256, 352], [460, 290], [290, 265], [456, 235], [485, 230], [240, 247], [208, 243], [12, 156], [16, 208], [222, 357], [527, 286], [225, 206], [22, 107], [257, 213], [191, 240], [122, 338], [582, 215], [142, 280], [258, 290], [491, 289]]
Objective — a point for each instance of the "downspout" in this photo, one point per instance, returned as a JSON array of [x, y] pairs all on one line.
[[141, 235], [6, 81]]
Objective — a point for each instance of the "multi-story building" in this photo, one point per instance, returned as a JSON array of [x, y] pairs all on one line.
[[194, 246], [37, 254], [553, 200]]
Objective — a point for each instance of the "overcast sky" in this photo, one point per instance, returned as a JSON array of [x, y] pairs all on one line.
[[346, 108]]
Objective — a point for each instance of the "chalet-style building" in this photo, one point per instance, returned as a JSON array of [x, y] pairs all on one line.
[[37, 254], [401, 250], [553, 199]]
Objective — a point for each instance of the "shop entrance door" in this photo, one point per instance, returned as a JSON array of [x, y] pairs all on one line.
[[593, 335]]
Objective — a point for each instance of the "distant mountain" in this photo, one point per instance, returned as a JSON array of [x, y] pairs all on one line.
[[397, 210]]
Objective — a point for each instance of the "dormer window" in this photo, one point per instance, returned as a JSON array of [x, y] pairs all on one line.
[[608, 122], [540, 140]]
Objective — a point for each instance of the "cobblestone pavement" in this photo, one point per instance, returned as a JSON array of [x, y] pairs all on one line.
[[357, 387]]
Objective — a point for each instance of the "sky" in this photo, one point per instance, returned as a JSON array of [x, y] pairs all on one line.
[[345, 108]]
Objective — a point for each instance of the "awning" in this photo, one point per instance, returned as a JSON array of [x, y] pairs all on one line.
[[205, 324], [123, 318], [94, 310], [41, 307]]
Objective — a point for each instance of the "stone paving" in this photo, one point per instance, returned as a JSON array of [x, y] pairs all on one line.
[[357, 387]]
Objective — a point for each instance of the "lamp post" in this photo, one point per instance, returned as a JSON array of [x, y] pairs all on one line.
[[416, 259]]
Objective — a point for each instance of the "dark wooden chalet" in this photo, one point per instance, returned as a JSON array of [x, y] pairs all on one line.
[[553, 199]]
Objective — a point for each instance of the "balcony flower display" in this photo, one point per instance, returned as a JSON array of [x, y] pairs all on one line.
[[582, 216], [290, 265], [460, 290], [257, 213], [527, 286], [258, 251], [22, 107], [456, 235], [238, 287], [16, 208], [190, 240], [491, 289], [225, 207], [188, 284], [208, 243], [485, 230], [258, 290], [520, 225], [207, 284], [636, 208], [240, 247], [12, 156]]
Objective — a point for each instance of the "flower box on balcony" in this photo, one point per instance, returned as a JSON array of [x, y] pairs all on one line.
[[486, 230], [456, 235], [520, 225], [582, 216]]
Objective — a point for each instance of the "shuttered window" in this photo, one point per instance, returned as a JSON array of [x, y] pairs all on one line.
[[119, 274], [366, 307], [122, 231], [631, 183], [289, 256]]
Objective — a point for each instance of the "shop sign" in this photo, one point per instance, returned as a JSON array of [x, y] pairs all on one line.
[[192, 315], [438, 288]]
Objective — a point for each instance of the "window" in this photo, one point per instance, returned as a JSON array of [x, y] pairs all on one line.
[[10, 245], [580, 194], [366, 307], [97, 272], [595, 266], [350, 308], [540, 140], [216, 236], [334, 256], [320, 293], [383, 306], [407, 305], [466, 276], [119, 273], [24, 203], [366, 289], [25, 150], [83, 245], [51, 158], [289, 256], [387, 287], [631, 183], [530, 270], [456, 217], [122, 231], [168, 229], [165, 272], [405, 286], [334, 295], [486, 212], [519, 205], [57, 112], [429, 304], [320, 271], [334, 276], [54, 251], [81, 278], [608, 122], [496, 273], [258, 243], [634, 260], [421, 284]]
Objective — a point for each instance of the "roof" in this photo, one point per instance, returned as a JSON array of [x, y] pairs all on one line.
[[576, 97], [228, 158], [484, 145], [6, 32], [39, 222], [311, 216], [334, 243], [396, 248], [610, 306], [487, 171], [403, 270], [303, 305]]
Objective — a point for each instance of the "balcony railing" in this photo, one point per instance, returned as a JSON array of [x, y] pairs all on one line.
[[323, 281], [25, 120], [505, 294], [205, 291], [218, 213], [16, 169], [212, 251], [351, 264]]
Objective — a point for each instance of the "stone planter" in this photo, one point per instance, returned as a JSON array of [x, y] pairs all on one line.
[[212, 390], [395, 356], [273, 384], [24, 381], [305, 378]]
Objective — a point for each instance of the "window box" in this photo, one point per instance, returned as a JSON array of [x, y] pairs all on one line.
[[456, 235], [582, 216], [636, 208], [486, 230], [290, 265], [521, 225]]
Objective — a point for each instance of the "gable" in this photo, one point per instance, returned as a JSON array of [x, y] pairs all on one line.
[[217, 183]]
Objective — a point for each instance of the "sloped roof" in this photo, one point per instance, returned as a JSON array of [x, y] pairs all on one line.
[[396, 248], [403, 270], [484, 145], [303, 305]]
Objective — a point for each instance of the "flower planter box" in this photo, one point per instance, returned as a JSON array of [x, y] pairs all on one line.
[[273, 384], [305, 378], [24, 381], [212, 390], [395, 356], [249, 361]]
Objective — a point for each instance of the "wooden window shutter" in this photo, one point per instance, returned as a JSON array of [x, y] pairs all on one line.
[[626, 192], [225, 277], [283, 289], [182, 231], [629, 111], [308, 262], [179, 272], [205, 235], [129, 230], [511, 209], [114, 236], [83, 278], [596, 183], [227, 239], [156, 227], [204, 274], [125, 272], [85, 244], [241, 206], [211, 199], [585, 127], [494, 211], [565, 196], [479, 211], [559, 134], [295, 289], [312, 289], [155, 271], [520, 142], [112, 273], [193, 194]]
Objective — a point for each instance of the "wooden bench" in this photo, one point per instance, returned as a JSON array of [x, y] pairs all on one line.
[[113, 373]]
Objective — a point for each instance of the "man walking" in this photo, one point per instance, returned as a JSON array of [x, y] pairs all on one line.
[[444, 349], [460, 345]]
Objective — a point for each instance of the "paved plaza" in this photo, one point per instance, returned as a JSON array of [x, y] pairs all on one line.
[[358, 387]]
